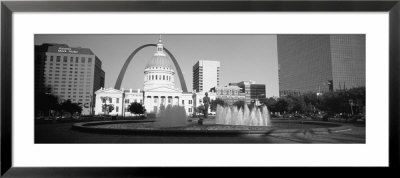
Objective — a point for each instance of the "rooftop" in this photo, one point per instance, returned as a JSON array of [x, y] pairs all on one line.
[[63, 48]]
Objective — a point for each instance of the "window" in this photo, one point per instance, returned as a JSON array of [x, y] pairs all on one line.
[[127, 101], [117, 101], [76, 60], [51, 58], [190, 109], [83, 59], [156, 77], [110, 100], [65, 59], [58, 59], [116, 109], [183, 102], [155, 100], [89, 60], [163, 77]]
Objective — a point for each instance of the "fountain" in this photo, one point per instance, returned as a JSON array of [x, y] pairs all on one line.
[[229, 120], [172, 116], [234, 116]]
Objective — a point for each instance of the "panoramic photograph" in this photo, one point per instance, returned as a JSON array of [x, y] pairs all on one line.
[[200, 88]]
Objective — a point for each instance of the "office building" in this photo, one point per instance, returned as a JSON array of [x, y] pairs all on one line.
[[205, 75], [229, 94], [320, 63], [252, 91], [69, 73]]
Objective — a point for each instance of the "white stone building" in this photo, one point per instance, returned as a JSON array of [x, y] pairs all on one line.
[[230, 94], [159, 89]]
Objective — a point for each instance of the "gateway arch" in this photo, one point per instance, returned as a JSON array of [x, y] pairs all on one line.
[[126, 64]]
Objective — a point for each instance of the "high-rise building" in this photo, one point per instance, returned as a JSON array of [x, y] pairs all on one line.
[[251, 90], [320, 63], [205, 75], [69, 73]]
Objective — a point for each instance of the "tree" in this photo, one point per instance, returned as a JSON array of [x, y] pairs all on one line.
[[358, 97], [312, 101], [45, 102], [200, 109], [296, 104], [70, 107], [76, 108], [270, 103], [136, 108], [281, 105], [239, 104], [107, 108], [214, 103]]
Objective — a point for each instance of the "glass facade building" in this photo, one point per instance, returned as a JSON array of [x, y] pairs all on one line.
[[320, 63]]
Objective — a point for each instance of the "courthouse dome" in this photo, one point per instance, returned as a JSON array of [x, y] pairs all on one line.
[[159, 58], [159, 61]]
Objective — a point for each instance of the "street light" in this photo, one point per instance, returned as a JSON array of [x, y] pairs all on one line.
[[329, 83], [319, 88], [351, 106], [48, 94]]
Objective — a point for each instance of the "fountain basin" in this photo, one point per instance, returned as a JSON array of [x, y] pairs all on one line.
[[150, 127]]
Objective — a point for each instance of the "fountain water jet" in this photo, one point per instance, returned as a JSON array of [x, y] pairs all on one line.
[[172, 116], [234, 116]]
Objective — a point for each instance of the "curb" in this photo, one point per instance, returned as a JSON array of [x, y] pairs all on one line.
[[85, 127]]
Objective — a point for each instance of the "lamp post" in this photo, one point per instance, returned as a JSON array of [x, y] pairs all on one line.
[[91, 105], [329, 83], [319, 88], [351, 106], [123, 104], [48, 94]]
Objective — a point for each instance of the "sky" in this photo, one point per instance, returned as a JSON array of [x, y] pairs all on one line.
[[242, 57]]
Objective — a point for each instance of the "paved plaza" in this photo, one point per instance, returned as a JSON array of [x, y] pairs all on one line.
[[62, 133]]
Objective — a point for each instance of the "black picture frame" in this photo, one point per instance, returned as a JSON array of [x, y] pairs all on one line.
[[8, 7]]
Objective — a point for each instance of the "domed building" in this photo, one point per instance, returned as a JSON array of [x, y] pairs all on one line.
[[159, 89], [159, 71], [159, 84]]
